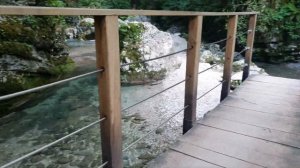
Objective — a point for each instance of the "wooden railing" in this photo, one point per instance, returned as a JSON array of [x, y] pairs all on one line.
[[108, 60]]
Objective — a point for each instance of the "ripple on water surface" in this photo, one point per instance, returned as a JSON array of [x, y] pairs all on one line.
[[75, 104]]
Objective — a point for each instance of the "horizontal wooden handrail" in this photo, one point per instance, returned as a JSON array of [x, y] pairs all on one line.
[[30, 10], [108, 62]]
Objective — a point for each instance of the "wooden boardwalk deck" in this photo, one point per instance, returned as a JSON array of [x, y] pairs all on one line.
[[258, 125]]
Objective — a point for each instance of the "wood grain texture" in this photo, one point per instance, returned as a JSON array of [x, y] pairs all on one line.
[[192, 67], [250, 42], [229, 54], [22, 10], [174, 162], [248, 129], [211, 156], [244, 148], [107, 51], [275, 136]]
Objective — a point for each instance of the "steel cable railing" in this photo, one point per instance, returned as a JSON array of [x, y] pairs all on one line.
[[79, 76], [104, 164], [9, 96], [245, 49], [152, 59], [168, 88], [51, 144], [158, 93], [212, 66], [204, 94], [219, 41], [148, 133], [98, 121]]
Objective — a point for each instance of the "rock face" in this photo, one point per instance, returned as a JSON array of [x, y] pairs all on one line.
[[31, 46], [83, 30], [156, 43], [30, 54], [276, 49]]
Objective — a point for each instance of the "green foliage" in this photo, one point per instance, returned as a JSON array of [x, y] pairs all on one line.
[[279, 19], [213, 27], [50, 3], [62, 66], [21, 50], [287, 18], [13, 30], [111, 4], [130, 40], [91, 3], [117, 4], [55, 3]]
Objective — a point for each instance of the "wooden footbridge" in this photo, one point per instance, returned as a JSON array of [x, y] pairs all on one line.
[[257, 125]]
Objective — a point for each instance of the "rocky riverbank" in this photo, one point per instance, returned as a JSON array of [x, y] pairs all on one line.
[[75, 104]]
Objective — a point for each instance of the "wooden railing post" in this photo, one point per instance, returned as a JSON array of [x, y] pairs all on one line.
[[229, 54], [250, 41], [107, 51], [192, 66]]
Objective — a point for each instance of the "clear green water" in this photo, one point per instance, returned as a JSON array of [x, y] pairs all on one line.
[[73, 105], [287, 70]]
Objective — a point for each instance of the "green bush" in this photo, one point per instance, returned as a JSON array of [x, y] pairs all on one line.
[[130, 40], [21, 50], [62, 66]]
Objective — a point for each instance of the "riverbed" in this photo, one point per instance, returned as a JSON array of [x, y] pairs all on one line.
[[75, 104]]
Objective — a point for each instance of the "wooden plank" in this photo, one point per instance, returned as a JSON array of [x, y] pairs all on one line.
[[265, 120], [107, 51], [268, 88], [271, 100], [275, 136], [22, 10], [229, 54], [275, 80], [174, 159], [250, 41], [192, 68], [287, 94], [261, 107], [273, 93], [211, 156], [245, 148]]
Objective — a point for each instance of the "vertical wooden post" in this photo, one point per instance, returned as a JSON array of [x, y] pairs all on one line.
[[250, 41], [192, 66], [229, 54], [107, 51]]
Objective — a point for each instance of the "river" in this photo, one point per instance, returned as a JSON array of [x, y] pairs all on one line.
[[73, 105], [286, 70]]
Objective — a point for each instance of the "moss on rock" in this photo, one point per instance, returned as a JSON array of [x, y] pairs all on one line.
[[13, 30], [65, 66], [21, 50]]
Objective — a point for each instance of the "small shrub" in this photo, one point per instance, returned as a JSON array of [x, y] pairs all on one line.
[[20, 50]]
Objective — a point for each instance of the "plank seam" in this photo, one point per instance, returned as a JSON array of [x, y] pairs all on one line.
[[259, 111], [220, 154], [259, 92], [175, 150], [265, 102], [253, 125], [263, 84], [250, 136], [273, 82]]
